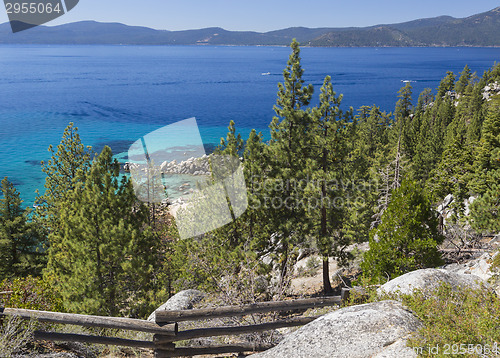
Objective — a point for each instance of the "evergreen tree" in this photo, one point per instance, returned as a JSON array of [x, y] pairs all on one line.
[[453, 174], [463, 81], [68, 163], [20, 242], [102, 258], [485, 209], [407, 128], [233, 144], [254, 161], [407, 237], [369, 149], [446, 85], [477, 114], [289, 148], [425, 99], [328, 152], [489, 148]]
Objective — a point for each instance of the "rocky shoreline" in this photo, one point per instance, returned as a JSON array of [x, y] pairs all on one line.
[[192, 166]]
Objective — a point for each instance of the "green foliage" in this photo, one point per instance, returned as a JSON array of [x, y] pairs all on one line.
[[105, 259], [406, 238], [102, 258], [404, 105], [255, 220], [456, 316], [368, 149], [453, 174], [233, 144], [20, 240], [64, 170], [310, 269], [328, 151], [31, 293], [485, 210], [463, 81], [288, 153], [488, 155], [214, 265]]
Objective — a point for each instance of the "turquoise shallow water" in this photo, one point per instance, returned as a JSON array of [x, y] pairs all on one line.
[[117, 94]]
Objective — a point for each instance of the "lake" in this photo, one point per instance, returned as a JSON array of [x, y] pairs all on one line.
[[117, 94]]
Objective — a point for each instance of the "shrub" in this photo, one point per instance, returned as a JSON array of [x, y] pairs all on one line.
[[31, 293], [456, 320], [407, 237]]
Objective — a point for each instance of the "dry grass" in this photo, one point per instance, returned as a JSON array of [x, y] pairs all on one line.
[[15, 334]]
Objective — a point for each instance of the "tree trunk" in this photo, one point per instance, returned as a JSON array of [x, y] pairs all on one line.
[[326, 277], [327, 286]]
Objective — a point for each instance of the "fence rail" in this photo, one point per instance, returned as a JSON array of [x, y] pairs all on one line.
[[165, 329], [231, 311], [92, 321]]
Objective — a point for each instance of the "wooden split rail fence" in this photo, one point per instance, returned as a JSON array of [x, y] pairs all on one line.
[[165, 328]]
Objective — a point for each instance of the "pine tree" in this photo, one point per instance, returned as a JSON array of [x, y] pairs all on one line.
[[463, 81], [453, 174], [369, 149], [328, 152], [20, 243], [69, 162], [254, 162], [289, 148], [407, 237], [485, 209], [407, 128], [225, 161], [446, 85], [103, 259], [489, 148], [233, 144]]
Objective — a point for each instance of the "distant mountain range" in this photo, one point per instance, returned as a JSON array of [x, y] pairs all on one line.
[[477, 30]]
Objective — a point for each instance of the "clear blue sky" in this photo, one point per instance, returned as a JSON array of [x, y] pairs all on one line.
[[265, 15]]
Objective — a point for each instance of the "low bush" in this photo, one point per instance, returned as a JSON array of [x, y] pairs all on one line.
[[30, 293], [457, 323]]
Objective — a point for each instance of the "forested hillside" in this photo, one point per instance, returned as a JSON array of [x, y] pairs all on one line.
[[328, 177], [476, 30]]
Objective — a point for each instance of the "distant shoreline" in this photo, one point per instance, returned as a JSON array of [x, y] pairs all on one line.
[[225, 45], [480, 30]]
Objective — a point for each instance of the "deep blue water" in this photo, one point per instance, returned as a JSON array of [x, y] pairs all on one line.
[[116, 94]]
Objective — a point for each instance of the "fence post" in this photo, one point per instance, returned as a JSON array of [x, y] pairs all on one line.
[[345, 294], [163, 345]]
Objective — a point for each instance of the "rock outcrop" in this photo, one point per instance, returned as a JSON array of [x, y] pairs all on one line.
[[183, 300], [371, 330], [428, 280], [193, 166], [491, 90], [480, 267]]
